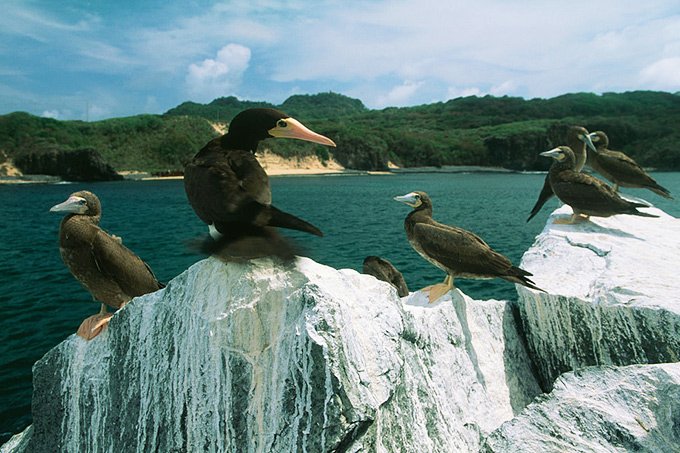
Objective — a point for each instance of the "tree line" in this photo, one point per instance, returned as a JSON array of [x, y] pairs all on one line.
[[505, 131]]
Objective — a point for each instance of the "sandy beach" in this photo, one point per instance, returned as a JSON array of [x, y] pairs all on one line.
[[276, 165], [273, 164]]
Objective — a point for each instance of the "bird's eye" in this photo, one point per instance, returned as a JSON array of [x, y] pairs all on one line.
[[417, 197], [282, 123]]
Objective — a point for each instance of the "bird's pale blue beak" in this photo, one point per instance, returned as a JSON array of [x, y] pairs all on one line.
[[588, 141], [554, 153], [410, 199], [76, 205]]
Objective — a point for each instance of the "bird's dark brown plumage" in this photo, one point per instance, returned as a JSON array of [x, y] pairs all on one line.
[[458, 252], [110, 271], [619, 168], [577, 138], [229, 190], [383, 270], [585, 194]]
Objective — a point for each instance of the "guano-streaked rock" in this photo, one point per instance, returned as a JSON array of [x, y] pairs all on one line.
[[255, 357], [259, 358], [612, 293]]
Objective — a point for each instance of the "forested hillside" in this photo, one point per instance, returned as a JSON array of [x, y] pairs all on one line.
[[487, 131], [144, 142]]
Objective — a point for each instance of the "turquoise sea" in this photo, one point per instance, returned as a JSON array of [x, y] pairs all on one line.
[[41, 303]]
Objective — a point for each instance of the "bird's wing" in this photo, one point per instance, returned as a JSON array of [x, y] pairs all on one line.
[[117, 262], [582, 190], [545, 195], [226, 187], [625, 167], [460, 250]]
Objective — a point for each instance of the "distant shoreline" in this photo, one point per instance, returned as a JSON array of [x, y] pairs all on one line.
[[144, 176]]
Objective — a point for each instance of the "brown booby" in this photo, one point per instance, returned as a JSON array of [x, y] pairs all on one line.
[[577, 138], [99, 261], [383, 270], [229, 190], [619, 168], [456, 251], [587, 195]]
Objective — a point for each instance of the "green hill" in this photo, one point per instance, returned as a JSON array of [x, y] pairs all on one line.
[[145, 142], [488, 131]]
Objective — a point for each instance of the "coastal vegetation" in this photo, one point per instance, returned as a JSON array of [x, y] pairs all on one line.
[[503, 131]]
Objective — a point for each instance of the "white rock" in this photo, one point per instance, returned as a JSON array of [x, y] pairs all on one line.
[[259, 358], [612, 293], [600, 409]]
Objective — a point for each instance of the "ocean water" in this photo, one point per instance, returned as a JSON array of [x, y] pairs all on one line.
[[41, 303]]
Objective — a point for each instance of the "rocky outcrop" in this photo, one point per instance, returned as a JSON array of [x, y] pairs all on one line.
[[600, 409], [7, 167], [257, 357], [612, 293], [77, 165], [262, 357]]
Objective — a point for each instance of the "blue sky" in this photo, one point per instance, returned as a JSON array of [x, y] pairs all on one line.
[[99, 59]]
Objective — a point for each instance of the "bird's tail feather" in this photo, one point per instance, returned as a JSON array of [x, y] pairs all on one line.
[[255, 243], [659, 190], [282, 219], [643, 214], [521, 276], [637, 201], [543, 197]]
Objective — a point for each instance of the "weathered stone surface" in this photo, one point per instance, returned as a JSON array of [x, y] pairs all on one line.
[[256, 357], [612, 293], [600, 409]]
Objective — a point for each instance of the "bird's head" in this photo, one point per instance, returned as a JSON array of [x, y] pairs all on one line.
[[252, 125], [600, 138], [415, 199], [562, 154], [581, 133], [83, 202]]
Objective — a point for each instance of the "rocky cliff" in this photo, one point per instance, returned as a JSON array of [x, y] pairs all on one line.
[[612, 293], [77, 165], [259, 357]]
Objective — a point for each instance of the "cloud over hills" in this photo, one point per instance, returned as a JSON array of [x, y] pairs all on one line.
[[401, 52]]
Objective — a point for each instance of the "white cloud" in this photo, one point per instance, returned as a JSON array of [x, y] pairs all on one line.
[[220, 76], [507, 87], [51, 114], [454, 92], [515, 48], [663, 74], [365, 49], [400, 94], [19, 18], [96, 112]]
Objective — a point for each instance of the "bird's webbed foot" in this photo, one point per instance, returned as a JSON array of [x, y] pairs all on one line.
[[440, 289], [94, 325], [574, 218]]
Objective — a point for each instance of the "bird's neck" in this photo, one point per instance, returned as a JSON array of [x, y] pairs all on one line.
[[579, 149], [420, 214], [231, 141], [77, 225], [558, 167]]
